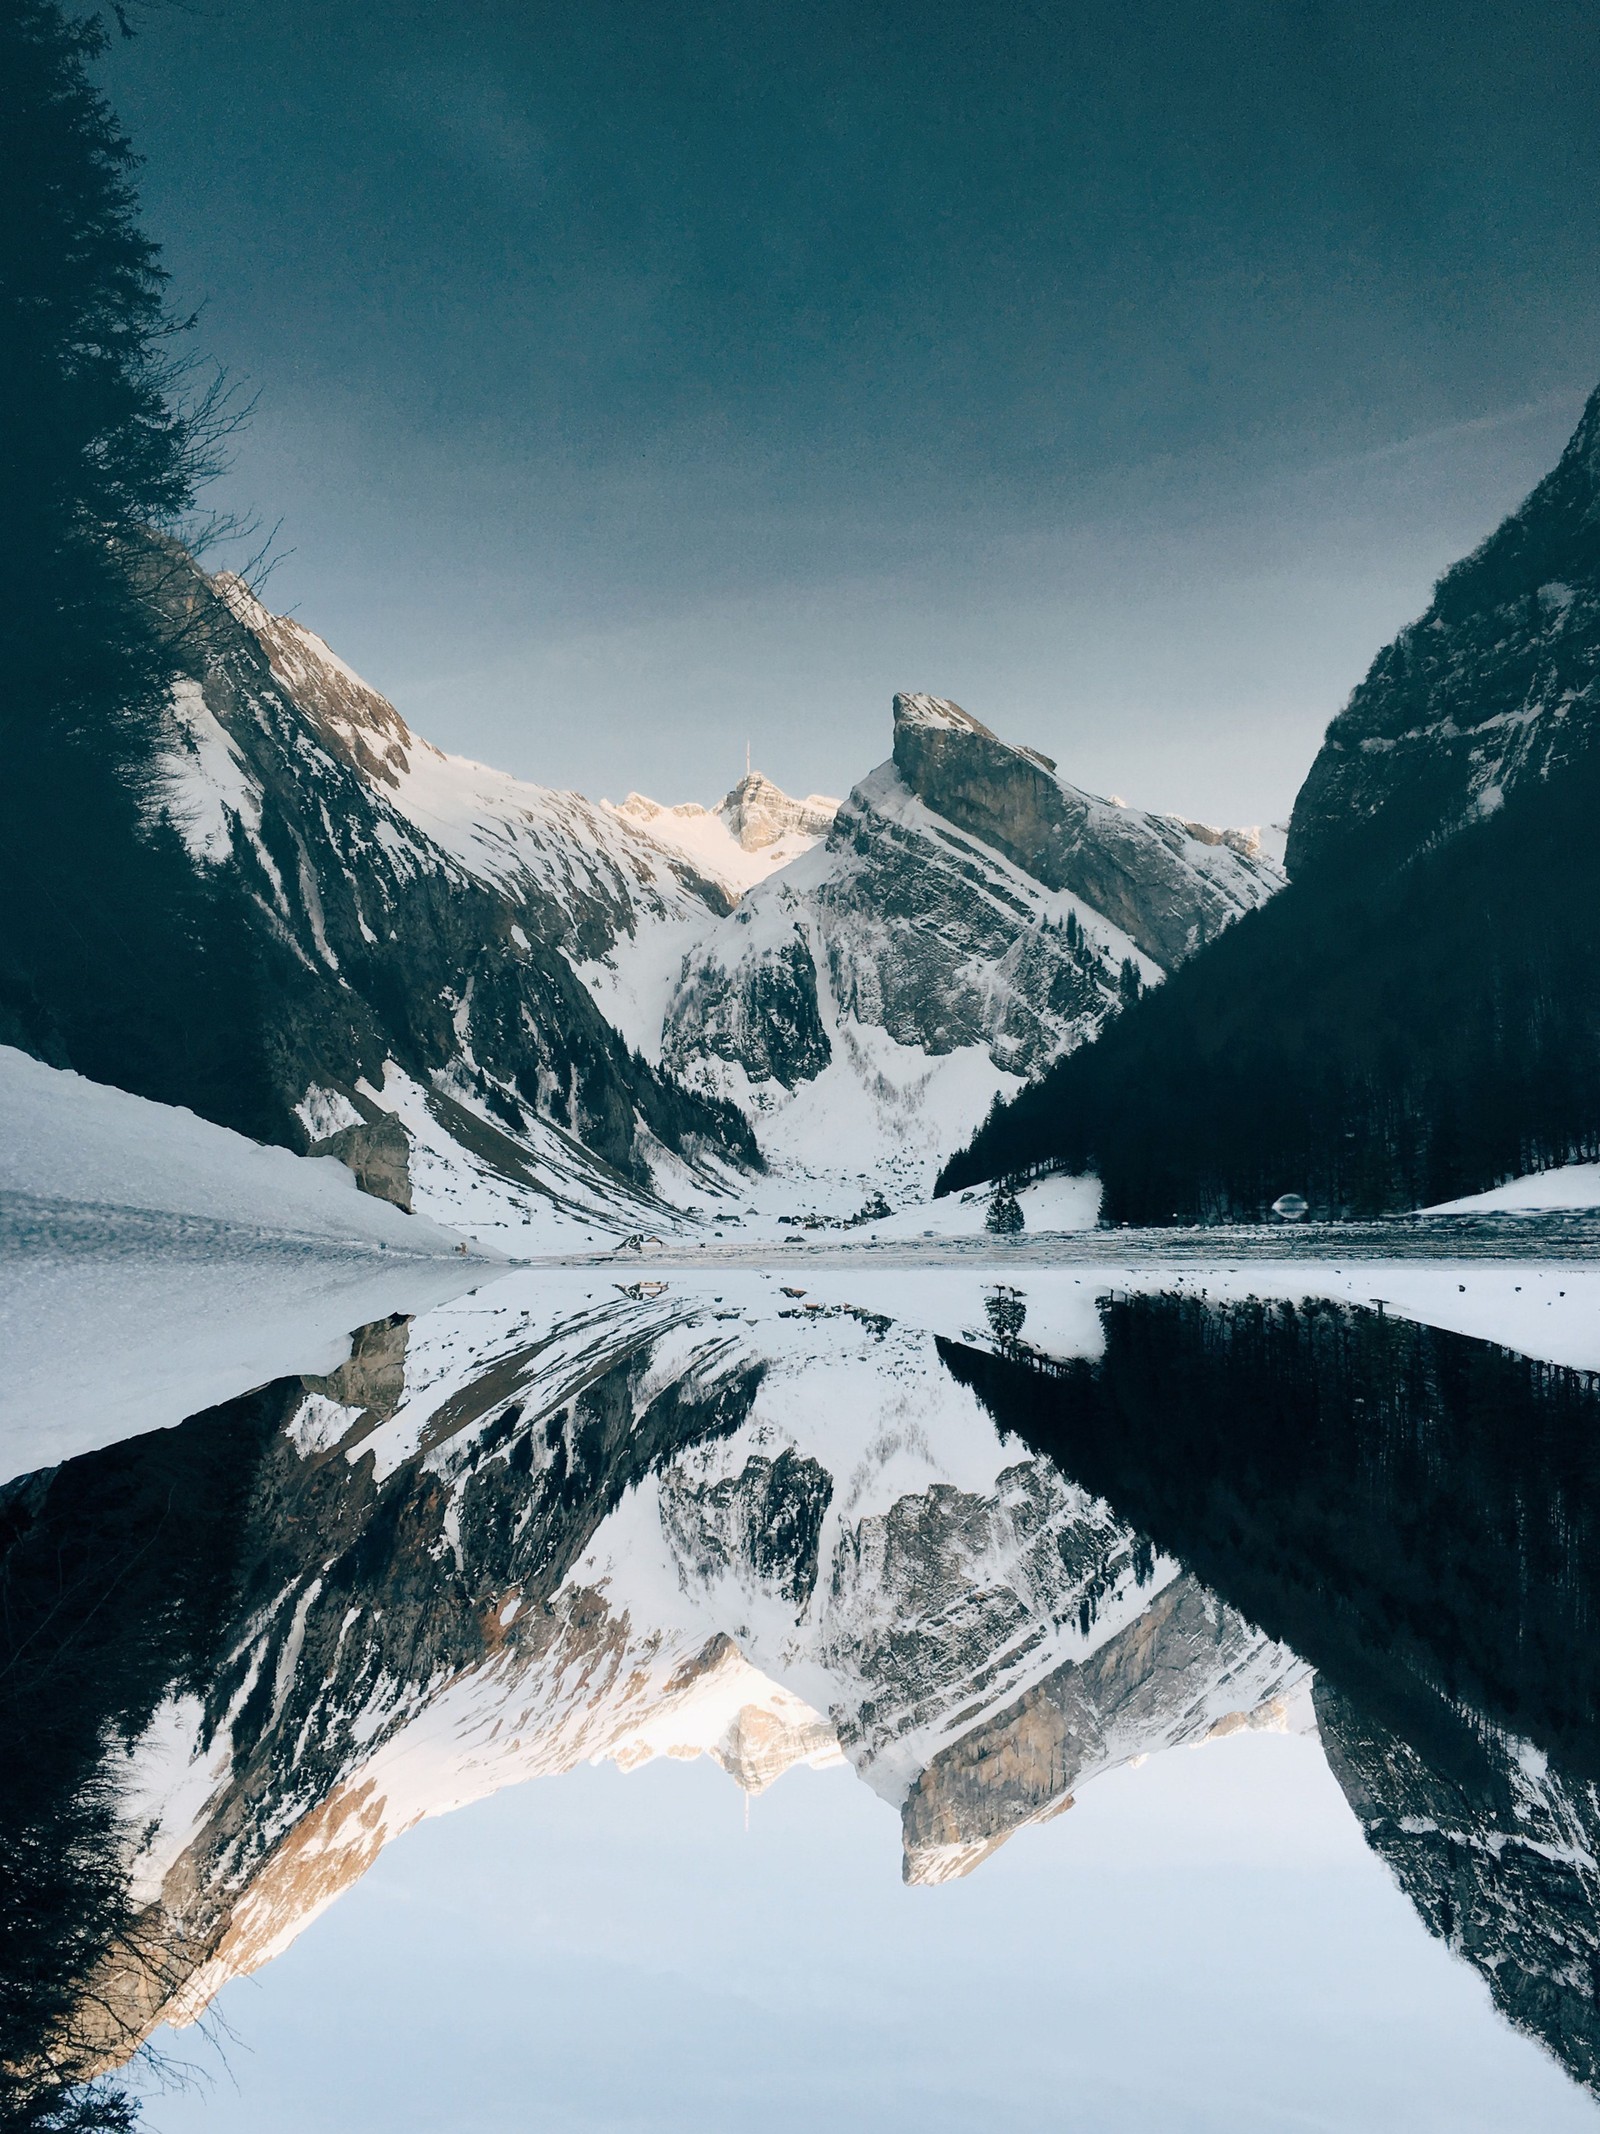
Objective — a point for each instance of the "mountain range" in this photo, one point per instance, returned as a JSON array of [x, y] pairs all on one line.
[[536, 1016], [525, 1012]]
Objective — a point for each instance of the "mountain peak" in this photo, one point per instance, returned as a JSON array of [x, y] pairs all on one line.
[[752, 831], [1167, 883], [912, 707], [915, 713], [759, 813]]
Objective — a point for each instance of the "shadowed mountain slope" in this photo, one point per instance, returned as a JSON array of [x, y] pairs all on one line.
[[1418, 1015]]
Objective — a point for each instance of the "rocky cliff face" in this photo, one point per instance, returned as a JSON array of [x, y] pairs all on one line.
[[1490, 691], [1498, 1852], [1169, 885], [412, 925], [969, 919]]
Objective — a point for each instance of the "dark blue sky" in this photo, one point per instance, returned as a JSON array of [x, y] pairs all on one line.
[[637, 379]]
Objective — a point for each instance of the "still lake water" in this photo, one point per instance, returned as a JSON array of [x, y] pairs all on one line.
[[1159, 1696]]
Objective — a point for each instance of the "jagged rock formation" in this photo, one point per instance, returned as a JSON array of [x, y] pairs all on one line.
[[1489, 693], [1500, 1854], [412, 924], [969, 919]]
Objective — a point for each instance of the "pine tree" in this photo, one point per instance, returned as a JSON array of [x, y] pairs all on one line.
[[99, 447], [109, 937], [1004, 1217]]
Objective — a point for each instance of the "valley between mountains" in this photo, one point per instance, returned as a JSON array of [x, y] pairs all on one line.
[[542, 1020], [549, 1022]]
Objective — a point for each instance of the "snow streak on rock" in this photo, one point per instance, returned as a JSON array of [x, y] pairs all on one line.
[[1492, 689]]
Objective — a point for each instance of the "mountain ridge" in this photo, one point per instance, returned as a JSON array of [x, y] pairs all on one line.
[[931, 968]]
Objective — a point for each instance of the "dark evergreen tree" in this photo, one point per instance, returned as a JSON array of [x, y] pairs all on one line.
[[113, 957], [1004, 1217], [99, 448]]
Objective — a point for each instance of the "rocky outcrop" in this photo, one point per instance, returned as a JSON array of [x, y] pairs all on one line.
[[1492, 690], [768, 1516], [761, 1014], [376, 1147], [1169, 885]]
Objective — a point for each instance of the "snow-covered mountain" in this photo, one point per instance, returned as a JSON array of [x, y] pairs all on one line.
[[859, 981], [526, 1533], [970, 917], [408, 926], [544, 1019], [753, 830]]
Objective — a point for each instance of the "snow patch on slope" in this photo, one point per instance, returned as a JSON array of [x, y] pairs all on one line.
[[753, 831], [1568, 1185], [206, 786], [67, 1140]]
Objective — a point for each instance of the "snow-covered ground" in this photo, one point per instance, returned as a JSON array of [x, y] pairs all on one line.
[[152, 1264], [1569, 1185], [543, 1194], [1050, 1207], [64, 1139]]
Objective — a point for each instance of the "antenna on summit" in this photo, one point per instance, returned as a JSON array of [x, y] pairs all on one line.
[[747, 759]]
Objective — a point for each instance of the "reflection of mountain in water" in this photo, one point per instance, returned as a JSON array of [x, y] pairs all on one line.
[[507, 1538], [1416, 1513]]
